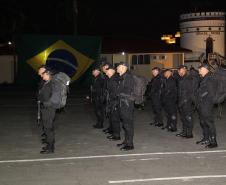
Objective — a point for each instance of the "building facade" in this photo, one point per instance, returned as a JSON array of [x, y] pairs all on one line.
[[203, 33], [142, 63]]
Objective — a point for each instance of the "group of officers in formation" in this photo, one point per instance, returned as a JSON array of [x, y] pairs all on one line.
[[183, 91]]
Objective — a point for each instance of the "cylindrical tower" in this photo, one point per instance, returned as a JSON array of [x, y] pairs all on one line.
[[202, 33]]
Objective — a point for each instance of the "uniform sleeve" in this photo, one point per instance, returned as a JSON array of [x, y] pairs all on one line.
[[211, 89]]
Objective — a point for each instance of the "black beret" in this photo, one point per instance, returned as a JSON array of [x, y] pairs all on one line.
[[182, 66]]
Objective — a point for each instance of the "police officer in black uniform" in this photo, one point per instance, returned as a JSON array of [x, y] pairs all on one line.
[[113, 103], [48, 111], [185, 106], [104, 67], [155, 96], [41, 71], [169, 100], [126, 105], [97, 97], [205, 105]]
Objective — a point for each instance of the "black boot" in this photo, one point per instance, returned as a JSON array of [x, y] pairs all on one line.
[[114, 138], [152, 123], [121, 144], [203, 141], [126, 148], [212, 143], [48, 149], [159, 124], [106, 130], [181, 134], [189, 134], [43, 135]]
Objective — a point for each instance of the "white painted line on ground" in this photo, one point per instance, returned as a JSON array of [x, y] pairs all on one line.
[[130, 160], [110, 156], [200, 157], [149, 159], [185, 178]]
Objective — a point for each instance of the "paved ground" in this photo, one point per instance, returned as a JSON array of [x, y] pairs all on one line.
[[84, 156]]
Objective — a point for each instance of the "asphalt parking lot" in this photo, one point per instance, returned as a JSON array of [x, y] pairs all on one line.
[[84, 156]]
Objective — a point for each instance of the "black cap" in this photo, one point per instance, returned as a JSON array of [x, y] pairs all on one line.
[[111, 67], [96, 68], [123, 63], [165, 70], [156, 68], [182, 66], [104, 63], [49, 70], [205, 65]]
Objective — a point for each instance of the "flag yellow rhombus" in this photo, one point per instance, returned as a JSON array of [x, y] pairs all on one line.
[[83, 61]]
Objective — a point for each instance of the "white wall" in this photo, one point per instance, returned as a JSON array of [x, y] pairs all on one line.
[[6, 69], [119, 58]]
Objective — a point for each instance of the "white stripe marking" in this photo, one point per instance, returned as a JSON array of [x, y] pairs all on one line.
[[200, 157], [110, 156], [185, 178], [130, 160], [149, 159]]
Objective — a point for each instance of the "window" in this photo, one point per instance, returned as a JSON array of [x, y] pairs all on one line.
[[146, 59], [209, 28], [140, 59], [134, 60], [154, 57], [219, 28], [197, 29], [163, 57]]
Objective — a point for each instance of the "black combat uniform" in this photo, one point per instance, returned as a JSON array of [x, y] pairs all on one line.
[[185, 105], [40, 85], [125, 91], [48, 114], [169, 100], [155, 96], [98, 99], [113, 107], [205, 96], [105, 104]]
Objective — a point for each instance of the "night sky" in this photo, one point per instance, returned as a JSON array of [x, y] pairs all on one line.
[[145, 18], [103, 18]]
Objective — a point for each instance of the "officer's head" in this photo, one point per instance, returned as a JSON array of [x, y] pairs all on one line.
[[41, 70], [122, 68], [155, 71], [47, 74], [110, 72], [168, 73], [105, 66], [204, 69], [96, 72], [182, 70]]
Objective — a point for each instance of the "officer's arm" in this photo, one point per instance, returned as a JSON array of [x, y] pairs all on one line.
[[211, 89]]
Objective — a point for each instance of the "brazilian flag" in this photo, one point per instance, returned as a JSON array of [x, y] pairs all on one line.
[[70, 54]]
